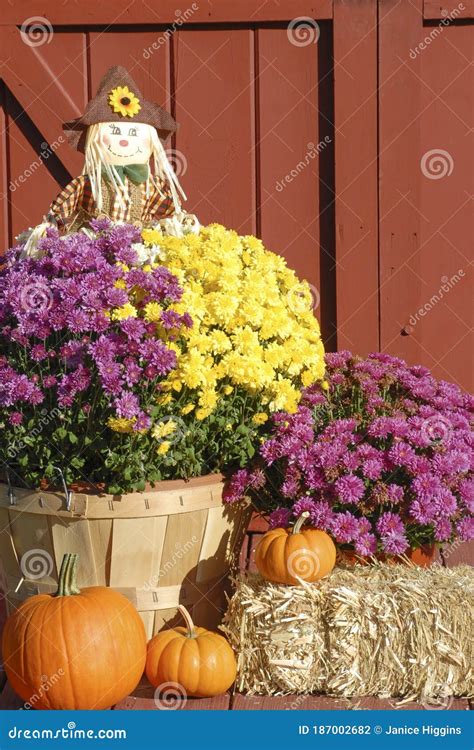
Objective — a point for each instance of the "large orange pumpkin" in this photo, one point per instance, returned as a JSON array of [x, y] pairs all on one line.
[[199, 662], [289, 555], [76, 649]]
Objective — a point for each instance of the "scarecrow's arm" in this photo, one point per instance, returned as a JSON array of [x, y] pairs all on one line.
[[67, 203], [162, 203]]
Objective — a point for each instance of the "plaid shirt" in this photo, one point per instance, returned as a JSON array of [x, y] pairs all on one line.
[[77, 199]]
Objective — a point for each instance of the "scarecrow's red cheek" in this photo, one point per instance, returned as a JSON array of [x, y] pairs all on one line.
[[106, 139]]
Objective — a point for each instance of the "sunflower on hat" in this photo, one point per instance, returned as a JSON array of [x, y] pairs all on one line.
[[124, 102]]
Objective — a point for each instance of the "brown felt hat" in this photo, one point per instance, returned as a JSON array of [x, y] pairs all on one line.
[[100, 110]]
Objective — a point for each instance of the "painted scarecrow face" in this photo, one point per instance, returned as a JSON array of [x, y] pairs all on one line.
[[125, 142]]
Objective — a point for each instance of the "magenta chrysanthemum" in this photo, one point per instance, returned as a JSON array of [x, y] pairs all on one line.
[[381, 460]]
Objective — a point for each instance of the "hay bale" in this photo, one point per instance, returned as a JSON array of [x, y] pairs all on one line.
[[386, 630]]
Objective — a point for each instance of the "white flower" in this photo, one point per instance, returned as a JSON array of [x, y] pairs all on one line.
[[180, 224], [156, 251], [147, 254]]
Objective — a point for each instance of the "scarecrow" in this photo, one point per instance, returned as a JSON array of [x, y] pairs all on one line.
[[127, 176]]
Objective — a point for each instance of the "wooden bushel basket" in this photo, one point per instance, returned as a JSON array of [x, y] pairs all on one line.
[[174, 544]]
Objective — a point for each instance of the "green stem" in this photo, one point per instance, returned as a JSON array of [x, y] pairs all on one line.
[[67, 585], [299, 523]]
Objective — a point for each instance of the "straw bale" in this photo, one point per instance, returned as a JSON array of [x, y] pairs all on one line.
[[387, 630]]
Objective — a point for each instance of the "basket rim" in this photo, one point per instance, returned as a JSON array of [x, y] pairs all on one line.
[[161, 486]]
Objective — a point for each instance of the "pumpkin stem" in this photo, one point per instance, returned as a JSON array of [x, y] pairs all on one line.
[[189, 622], [297, 527], [67, 585]]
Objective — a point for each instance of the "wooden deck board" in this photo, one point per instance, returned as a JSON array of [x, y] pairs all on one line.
[[372, 703], [132, 703], [143, 700], [287, 703], [462, 554]]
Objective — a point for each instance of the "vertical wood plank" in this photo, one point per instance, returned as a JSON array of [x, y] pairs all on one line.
[[45, 87], [426, 164], [101, 542], [145, 54], [180, 557], [137, 551], [214, 91], [213, 554], [288, 137], [182, 529], [9, 565], [355, 106], [34, 545], [74, 536], [4, 170], [458, 553]]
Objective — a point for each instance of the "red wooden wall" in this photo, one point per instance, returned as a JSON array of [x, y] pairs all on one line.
[[379, 222]]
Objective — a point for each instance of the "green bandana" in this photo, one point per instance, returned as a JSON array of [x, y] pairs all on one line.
[[136, 173]]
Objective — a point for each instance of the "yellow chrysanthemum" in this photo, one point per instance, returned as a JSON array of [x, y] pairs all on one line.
[[208, 399], [163, 429], [253, 326], [124, 312], [153, 312], [188, 408], [163, 448], [119, 424], [260, 418], [202, 413], [307, 377], [124, 102]]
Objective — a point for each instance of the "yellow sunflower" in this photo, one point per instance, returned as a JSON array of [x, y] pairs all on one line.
[[124, 102]]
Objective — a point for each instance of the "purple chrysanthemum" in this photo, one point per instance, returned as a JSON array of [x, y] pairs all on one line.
[[350, 489], [383, 437], [280, 518]]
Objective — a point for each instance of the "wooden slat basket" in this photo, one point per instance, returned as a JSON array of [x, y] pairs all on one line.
[[171, 545]]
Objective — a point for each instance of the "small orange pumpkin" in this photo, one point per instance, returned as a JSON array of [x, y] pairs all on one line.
[[74, 649], [198, 661], [289, 555]]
